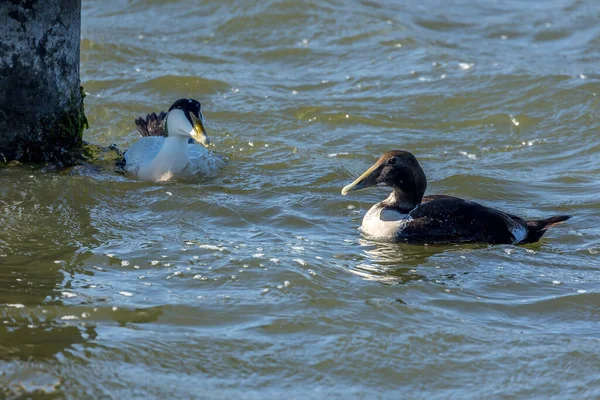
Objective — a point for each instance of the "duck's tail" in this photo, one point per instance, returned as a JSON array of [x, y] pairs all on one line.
[[537, 228], [152, 125]]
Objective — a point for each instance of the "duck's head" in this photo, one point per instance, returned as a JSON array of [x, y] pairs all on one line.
[[397, 169], [185, 119]]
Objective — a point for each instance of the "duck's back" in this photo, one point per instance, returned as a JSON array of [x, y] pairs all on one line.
[[142, 152], [447, 219]]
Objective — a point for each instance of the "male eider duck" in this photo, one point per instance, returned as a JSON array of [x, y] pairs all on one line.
[[407, 216], [164, 153]]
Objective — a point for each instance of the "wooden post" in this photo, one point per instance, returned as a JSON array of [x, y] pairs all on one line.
[[41, 101]]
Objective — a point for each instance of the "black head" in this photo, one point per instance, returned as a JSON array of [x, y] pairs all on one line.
[[176, 124], [401, 170], [397, 169], [188, 106]]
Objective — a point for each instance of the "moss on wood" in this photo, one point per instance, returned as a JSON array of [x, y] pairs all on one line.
[[57, 138]]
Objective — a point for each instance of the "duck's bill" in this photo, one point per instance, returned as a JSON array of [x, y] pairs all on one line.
[[366, 180], [199, 134]]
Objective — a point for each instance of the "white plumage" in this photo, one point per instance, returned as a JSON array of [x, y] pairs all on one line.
[[382, 223], [200, 160], [163, 151], [519, 232]]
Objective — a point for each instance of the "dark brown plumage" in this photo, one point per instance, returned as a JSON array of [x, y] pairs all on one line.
[[449, 219], [152, 125], [415, 218]]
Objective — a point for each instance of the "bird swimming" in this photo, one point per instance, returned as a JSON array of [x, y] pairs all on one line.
[[163, 152], [409, 216]]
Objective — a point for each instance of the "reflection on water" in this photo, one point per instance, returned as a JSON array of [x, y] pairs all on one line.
[[392, 263], [389, 263], [40, 339], [386, 275], [46, 239]]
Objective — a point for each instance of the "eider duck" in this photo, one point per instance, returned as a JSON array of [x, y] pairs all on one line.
[[163, 152], [407, 216]]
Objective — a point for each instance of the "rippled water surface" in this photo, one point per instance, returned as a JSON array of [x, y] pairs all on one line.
[[257, 284]]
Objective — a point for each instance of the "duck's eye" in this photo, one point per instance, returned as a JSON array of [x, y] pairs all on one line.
[[391, 161]]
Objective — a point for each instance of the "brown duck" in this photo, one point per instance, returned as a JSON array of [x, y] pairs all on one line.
[[409, 216]]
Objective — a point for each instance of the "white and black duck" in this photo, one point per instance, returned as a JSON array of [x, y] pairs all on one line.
[[173, 145], [409, 216]]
